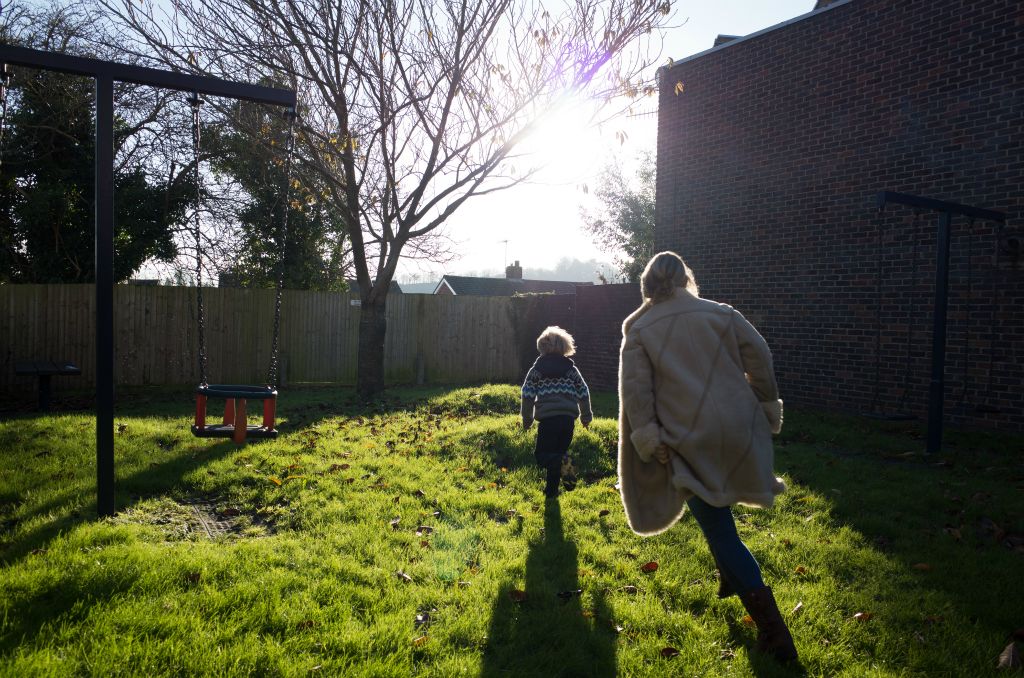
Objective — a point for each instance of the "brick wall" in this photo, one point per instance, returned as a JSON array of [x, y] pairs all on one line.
[[769, 159], [600, 311], [534, 312], [593, 316]]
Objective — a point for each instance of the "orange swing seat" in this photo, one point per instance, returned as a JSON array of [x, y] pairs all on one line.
[[234, 425]]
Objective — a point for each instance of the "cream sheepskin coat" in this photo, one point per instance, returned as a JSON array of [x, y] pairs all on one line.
[[695, 375]]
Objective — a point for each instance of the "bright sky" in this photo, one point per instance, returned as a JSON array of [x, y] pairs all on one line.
[[541, 221]]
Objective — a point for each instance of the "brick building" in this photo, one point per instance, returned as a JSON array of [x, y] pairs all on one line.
[[771, 149]]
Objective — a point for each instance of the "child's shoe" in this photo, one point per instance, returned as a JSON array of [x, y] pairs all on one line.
[[568, 473], [551, 485]]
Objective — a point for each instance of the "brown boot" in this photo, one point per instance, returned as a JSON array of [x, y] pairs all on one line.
[[773, 637]]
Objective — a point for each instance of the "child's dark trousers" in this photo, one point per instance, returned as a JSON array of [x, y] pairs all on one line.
[[554, 434]]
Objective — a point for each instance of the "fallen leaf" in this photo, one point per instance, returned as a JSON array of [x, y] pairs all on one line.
[[419, 642], [1010, 658], [649, 567], [275, 480], [787, 543], [403, 576], [800, 569], [394, 522], [517, 596], [231, 512], [668, 652], [630, 589], [747, 620], [419, 493], [798, 609], [924, 567], [602, 513], [349, 481], [306, 624], [425, 544], [863, 616]]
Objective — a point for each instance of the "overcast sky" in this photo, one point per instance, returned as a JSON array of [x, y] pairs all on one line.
[[541, 221]]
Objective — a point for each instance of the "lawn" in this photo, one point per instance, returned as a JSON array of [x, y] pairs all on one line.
[[410, 537]]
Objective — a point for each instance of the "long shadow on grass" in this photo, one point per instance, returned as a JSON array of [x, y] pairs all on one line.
[[157, 478], [551, 631], [934, 521]]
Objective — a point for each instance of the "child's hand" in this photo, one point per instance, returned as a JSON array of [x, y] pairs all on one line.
[[661, 453]]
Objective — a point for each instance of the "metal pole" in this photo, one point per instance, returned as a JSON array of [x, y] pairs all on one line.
[[104, 295], [936, 391]]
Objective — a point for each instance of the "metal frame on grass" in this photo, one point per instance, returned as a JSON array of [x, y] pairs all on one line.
[[936, 388]]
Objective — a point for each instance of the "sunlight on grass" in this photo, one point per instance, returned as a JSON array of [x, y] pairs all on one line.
[[410, 536]]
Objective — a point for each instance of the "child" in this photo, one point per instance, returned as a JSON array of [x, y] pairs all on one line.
[[554, 394]]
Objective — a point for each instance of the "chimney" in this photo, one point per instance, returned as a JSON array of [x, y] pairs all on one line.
[[514, 272]]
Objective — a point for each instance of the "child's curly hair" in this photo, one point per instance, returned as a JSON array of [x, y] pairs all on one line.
[[555, 340]]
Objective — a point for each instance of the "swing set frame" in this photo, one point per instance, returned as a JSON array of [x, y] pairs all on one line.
[[105, 73], [946, 210]]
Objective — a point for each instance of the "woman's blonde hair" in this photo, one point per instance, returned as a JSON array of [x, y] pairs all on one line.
[[665, 272], [555, 340]]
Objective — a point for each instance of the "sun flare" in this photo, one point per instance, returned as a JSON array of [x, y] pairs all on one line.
[[565, 145]]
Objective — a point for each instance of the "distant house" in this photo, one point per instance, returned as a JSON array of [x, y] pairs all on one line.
[[510, 285]]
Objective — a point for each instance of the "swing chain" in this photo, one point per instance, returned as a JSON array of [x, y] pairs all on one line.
[[195, 102], [5, 83], [282, 243]]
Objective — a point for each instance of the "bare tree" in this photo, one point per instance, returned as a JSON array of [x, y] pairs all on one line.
[[408, 107]]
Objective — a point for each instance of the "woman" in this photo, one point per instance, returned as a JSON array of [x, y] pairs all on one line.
[[698, 406]]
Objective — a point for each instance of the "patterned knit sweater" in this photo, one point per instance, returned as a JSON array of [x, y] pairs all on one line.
[[554, 387]]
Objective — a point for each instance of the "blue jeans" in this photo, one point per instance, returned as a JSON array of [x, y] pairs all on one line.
[[735, 562]]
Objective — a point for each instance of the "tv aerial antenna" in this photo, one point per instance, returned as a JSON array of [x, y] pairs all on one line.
[[506, 251]]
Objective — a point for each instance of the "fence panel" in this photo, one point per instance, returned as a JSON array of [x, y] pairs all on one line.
[[442, 339]]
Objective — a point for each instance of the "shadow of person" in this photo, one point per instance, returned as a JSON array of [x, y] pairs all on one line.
[[555, 629], [762, 666]]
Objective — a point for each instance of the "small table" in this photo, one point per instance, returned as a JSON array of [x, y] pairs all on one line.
[[44, 370]]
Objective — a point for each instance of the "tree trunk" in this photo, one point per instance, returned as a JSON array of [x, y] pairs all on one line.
[[370, 365]]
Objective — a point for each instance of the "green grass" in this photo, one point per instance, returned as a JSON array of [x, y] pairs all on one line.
[[314, 579]]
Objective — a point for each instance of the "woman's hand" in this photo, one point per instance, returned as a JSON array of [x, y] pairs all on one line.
[[661, 453]]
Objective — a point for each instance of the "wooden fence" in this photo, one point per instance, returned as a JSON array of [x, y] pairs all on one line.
[[441, 339]]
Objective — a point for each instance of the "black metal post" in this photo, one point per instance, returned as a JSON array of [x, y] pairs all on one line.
[[936, 390], [104, 295]]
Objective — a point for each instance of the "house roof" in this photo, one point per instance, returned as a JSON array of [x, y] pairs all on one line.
[[819, 7], [504, 287]]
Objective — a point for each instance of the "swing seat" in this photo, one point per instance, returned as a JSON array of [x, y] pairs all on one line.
[[234, 424]]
